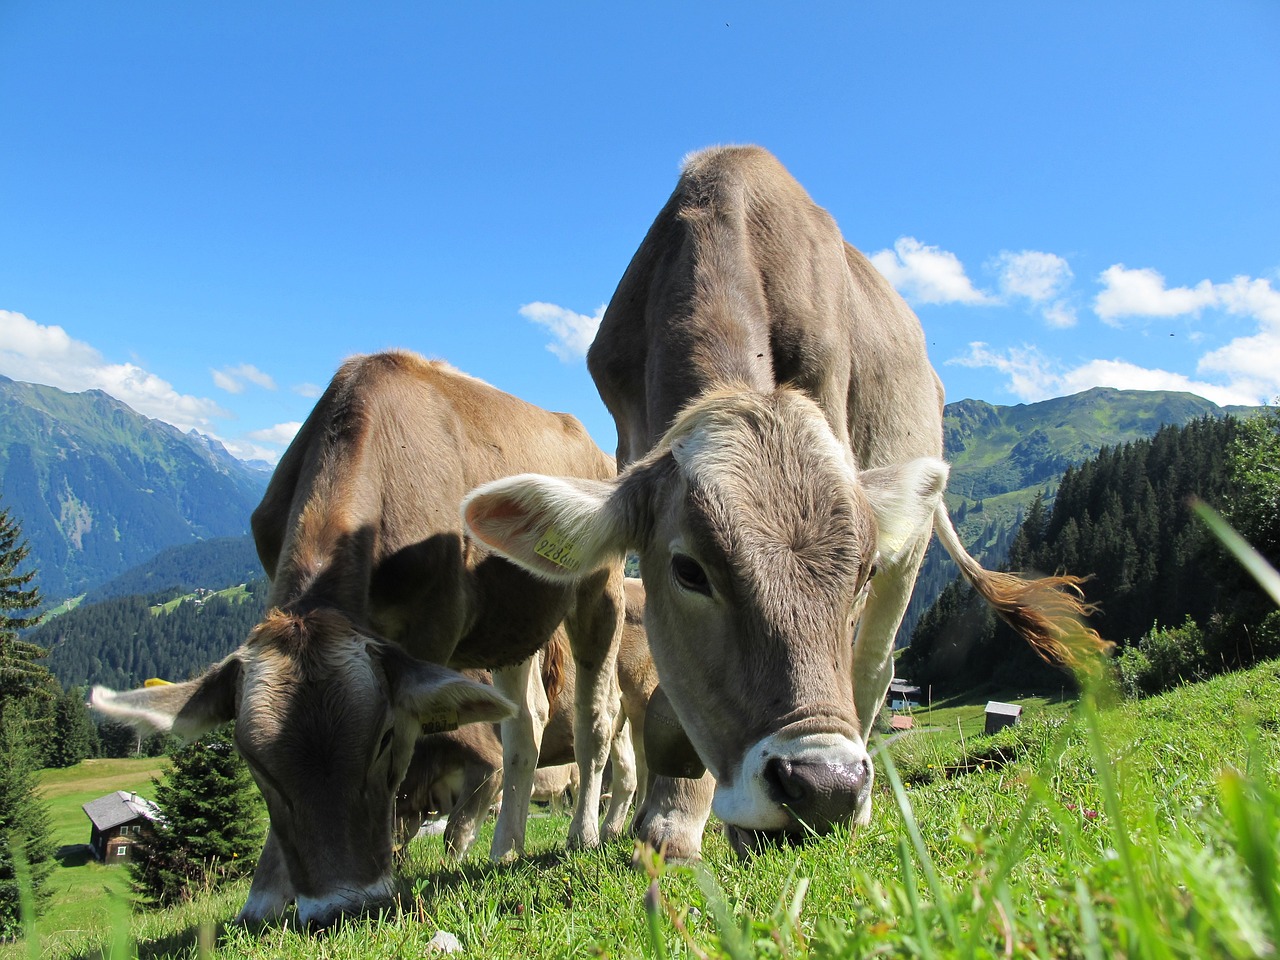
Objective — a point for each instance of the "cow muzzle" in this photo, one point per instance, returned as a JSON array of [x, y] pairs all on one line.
[[324, 911], [795, 787]]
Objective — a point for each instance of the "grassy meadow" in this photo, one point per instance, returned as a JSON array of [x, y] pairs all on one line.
[[84, 889], [1146, 829]]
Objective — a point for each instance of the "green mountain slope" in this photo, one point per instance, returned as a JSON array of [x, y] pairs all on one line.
[[99, 488], [1002, 457]]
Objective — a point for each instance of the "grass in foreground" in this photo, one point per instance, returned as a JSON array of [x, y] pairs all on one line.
[[1149, 830]]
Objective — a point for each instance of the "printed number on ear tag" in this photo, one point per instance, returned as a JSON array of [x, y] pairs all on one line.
[[559, 549], [440, 721]]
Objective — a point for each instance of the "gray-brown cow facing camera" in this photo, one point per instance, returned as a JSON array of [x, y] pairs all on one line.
[[781, 430]]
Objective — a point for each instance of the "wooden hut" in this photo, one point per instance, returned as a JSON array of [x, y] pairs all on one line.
[[120, 820], [1001, 715]]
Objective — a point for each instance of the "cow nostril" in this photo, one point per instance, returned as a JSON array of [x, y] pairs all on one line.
[[782, 777], [818, 794]]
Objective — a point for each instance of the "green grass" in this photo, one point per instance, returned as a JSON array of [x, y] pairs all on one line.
[[1149, 829]]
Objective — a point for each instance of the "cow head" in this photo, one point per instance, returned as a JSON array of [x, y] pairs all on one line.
[[757, 539], [326, 718]]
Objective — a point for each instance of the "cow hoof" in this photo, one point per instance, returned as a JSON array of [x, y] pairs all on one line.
[[674, 845], [582, 843]]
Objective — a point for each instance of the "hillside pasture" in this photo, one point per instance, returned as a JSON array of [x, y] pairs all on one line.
[[85, 890], [1144, 830]]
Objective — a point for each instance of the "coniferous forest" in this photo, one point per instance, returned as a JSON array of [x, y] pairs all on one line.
[[123, 641], [1167, 594]]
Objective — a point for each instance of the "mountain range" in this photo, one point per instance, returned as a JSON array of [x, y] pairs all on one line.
[[99, 488]]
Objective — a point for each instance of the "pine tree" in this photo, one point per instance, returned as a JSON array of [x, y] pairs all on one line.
[[75, 736], [20, 676], [213, 823], [24, 823]]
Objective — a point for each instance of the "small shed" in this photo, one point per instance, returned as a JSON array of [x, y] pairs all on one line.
[[1001, 715], [901, 723], [120, 820], [903, 695]]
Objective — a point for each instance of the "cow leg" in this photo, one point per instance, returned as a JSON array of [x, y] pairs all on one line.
[[873, 648], [674, 815], [622, 787], [521, 742], [595, 633], [481, 785], [271, 891]]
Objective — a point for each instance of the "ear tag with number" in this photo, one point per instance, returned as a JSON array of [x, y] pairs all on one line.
[[440, 720], [559, 549]]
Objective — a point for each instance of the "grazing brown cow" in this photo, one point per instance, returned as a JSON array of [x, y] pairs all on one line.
[[458, 773], [783, 428], [360, 534]]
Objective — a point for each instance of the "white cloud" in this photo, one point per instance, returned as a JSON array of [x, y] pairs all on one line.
[[1039, 278], [1032, 274], [309, 390], [1033, 376], [573, 331], [924, 274], [1142, 293], [1251, 362], [233, 379], [280, 435], [32, 352], [1059, 314]]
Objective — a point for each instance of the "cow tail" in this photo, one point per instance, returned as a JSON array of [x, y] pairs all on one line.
[[1047, 612], [554, 655]]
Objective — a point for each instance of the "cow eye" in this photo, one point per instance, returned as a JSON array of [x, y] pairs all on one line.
[[689, 574], [386, 741]]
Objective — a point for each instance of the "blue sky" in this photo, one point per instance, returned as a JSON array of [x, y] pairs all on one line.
[[205, 207]]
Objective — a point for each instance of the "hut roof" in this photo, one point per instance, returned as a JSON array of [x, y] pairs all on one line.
[[119, 807]]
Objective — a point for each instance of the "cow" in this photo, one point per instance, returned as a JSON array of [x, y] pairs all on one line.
[[372, 579], [781, 430], [458, 773]]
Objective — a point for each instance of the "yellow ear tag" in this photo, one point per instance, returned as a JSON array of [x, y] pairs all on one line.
[[157, 682], [559, 549], [441, 720]]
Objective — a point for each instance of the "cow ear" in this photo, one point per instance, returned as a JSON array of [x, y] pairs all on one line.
[[440, 699], [185, 709], [904, 498], [558, 528]]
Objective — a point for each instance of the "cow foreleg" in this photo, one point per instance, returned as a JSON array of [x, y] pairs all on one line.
[[481, 785], [521, 743], [873, 648], [674, 815], [595, 632], [271, 891], [622, 785]]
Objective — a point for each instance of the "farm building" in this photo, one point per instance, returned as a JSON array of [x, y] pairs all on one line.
[[903, 695], [1000, 715], [120, 820], [901, 723]]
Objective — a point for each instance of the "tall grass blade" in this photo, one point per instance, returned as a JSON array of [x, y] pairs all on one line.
[[732, 938], [26, 896], [1145, 940], [1253, 822], [940, 893], [1249, 558]]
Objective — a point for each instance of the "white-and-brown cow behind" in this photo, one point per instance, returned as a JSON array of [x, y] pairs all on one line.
[[783, 431], [372, 581], [458, 773]]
